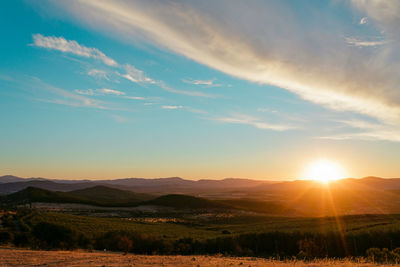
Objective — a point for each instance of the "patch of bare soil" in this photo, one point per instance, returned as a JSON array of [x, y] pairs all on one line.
[[21, 257]]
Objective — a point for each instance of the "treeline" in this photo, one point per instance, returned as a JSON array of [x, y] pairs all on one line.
[[379, 246], [46, 235]]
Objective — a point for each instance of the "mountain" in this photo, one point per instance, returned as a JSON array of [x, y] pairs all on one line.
[[230, 188], [7, 188], [13, 179], [160, 186], [33, 194], [98, 195], [104, 194]]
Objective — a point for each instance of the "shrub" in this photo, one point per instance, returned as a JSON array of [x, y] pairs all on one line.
[[5, 237], [50, 235], [22, 240], [124, 243]]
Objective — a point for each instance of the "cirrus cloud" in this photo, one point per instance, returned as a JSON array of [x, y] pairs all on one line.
[[270, 43], [71, 46]]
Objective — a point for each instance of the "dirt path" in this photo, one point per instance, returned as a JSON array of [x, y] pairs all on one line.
[[20, 257]]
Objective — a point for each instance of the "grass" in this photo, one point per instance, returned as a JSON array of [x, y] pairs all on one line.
[[14, 257], [210, 229]]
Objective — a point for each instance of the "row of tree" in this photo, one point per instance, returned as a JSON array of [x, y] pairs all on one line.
[[378, 246]]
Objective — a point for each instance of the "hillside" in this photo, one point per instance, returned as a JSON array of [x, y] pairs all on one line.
[[104, 194], [98, 195], [7, 188], [33, 194]]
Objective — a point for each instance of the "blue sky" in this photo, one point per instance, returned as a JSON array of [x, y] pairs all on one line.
[[99, 89]]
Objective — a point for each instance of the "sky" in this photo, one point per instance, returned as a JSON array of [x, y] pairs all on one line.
[[198, 89]]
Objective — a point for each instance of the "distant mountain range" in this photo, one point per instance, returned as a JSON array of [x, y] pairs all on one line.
[[177, 185], [10, 184], [348, 196]]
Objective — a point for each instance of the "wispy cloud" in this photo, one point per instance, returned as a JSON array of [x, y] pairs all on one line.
[[366, 130], [171, 107], [208, 83], [185, 92], [363, 20], [103, 91], [135, 75], [269, 45], [98, 74], [71, 46], [138, 76], [129, 72], [360, 43], [136, 97], [64, 97], [268, 110], [255, 122]]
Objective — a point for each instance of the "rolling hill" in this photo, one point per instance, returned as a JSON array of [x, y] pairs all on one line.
[[98, 195]]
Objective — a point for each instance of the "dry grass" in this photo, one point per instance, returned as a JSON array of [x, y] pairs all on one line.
[[19, 257]]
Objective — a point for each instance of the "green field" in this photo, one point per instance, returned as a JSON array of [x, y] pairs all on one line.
[[204, 229]]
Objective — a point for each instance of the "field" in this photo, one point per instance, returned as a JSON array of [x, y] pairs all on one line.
[[17, 257], [373, 237], [104, 218], [212, 225]]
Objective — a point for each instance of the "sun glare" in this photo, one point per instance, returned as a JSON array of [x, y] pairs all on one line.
[[324, 171]]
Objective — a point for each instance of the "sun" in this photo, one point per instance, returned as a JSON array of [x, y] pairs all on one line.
[[324, 171]]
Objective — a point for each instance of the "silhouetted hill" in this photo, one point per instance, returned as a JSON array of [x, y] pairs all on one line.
[[109, 195], [13, 179], [98, 195], [7, 188], [33, 194]]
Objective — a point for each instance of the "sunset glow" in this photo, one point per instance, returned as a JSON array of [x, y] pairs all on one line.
[[325, 171]]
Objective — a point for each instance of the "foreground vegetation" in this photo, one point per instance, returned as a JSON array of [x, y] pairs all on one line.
[[18, 257], [374, 236]]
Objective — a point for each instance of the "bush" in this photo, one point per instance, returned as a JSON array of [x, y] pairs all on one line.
[[309, 249], [124, 243], [383, 255], [5, 237], [50, 235], [22, 240]]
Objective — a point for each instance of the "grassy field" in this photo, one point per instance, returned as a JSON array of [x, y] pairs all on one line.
[[210, 227], [372, 236], [17, 257]]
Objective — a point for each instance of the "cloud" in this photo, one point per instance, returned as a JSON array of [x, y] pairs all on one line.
[[184, 92], [98, 74], [171, 107], [199, 82], [64, 97], [135, 75], [209, 83], [138, 76], [255, 122], [363, 20], [360, 43], [135, 97], [268, 110], [131, 73], [103, 91], [269, 42], [70, 46], [366, 130]]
